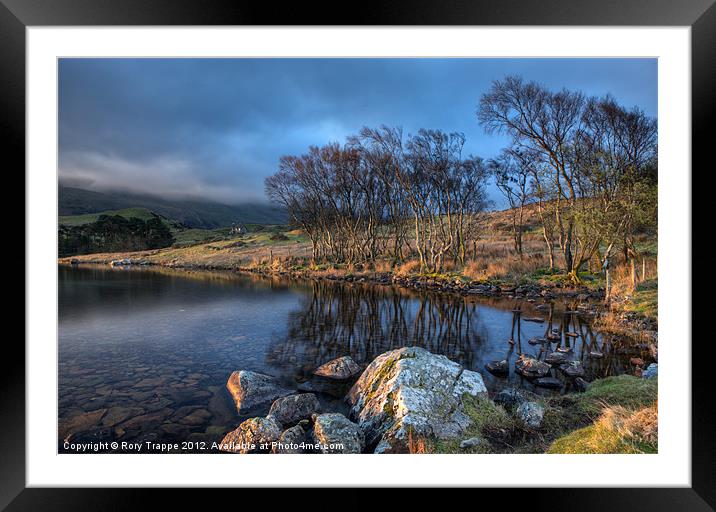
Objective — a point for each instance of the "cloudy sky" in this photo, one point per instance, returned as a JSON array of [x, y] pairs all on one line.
[[215, 128]]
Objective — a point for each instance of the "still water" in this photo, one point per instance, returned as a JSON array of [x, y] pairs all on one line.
[[144, 353]]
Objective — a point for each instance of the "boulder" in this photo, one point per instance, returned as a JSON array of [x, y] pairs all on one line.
[[291, 409], [255, 435], [337, 434], [573, 369], [531, 414], [290, 441], [556, 358], [342, 368], [249, 389], [410, 391], [498, 367], [651, 371], [509, 398], [530, 367]]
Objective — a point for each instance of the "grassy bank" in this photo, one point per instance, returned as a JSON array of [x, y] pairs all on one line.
[[614, 415]]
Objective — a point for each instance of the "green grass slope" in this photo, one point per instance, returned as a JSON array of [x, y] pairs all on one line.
[[87, 218], [191, 213]]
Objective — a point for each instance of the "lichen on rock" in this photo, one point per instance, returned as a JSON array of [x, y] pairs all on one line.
[[412, 392]]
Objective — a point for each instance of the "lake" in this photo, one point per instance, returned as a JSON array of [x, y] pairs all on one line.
[[154, 347]]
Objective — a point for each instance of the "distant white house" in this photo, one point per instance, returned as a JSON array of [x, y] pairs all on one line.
[[238, 229]]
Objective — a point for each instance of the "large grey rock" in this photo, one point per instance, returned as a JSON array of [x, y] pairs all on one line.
[[342, 368], [290, 441], [651, 371], [254, 435], [531, 414], [337, 434], [530, 367], [249, 389], [410, 391], [294, 408]]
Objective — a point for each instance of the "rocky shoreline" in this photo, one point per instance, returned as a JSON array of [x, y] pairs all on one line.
[[407, 400], [414, 282]]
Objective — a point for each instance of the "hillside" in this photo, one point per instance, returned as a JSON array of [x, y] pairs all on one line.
[[193, 214], [127, 213]]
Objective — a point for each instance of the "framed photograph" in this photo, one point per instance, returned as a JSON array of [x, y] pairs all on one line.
[[265, 247]]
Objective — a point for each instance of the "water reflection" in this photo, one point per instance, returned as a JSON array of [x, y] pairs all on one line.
[[152, 347]]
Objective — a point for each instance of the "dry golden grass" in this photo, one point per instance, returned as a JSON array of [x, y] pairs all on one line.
[[418, 444], [407, 268], [383, 266], [618, 430]]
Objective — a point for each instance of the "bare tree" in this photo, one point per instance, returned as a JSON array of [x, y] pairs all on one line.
[[513, 174], [544, 123]]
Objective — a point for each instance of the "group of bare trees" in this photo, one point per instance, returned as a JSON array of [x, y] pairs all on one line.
[[385, 194], [589, 165]]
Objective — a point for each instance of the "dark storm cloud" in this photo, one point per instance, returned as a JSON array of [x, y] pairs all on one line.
[[215, 128]]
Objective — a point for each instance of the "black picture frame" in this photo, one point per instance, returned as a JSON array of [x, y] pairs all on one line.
[[17, 15]]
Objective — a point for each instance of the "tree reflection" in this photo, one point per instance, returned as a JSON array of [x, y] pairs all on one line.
[[365, 321]]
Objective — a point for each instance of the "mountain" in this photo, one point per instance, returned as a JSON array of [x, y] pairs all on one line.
[[191, 213]]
